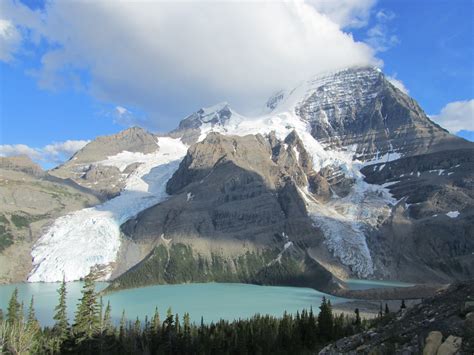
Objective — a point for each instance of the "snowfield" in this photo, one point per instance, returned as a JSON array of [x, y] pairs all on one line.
[[90, 238]]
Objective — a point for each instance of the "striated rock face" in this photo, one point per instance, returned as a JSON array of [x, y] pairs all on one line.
[[97, 166], [235, 214], [360, 107]]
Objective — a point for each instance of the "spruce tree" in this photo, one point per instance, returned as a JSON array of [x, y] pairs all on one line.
[[13, 310], [325, 319], [357, 321], [32, 323], [61, 324], [107, 322], [87, 320], [122, 326], [403, 306], [387, 311]]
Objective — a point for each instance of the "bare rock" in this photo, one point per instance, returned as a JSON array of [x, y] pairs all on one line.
[[450, 346], [433, 341]]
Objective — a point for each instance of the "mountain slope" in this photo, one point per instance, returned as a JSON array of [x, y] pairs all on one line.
[[31, 200], [341, 177], [91, 168]]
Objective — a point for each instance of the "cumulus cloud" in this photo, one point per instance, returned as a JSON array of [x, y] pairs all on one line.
[[398, 83], [54, 153], [346, 13], [456, 116], [169, 58], [10, 40]]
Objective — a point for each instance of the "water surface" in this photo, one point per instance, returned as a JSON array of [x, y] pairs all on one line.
[[212, 301]]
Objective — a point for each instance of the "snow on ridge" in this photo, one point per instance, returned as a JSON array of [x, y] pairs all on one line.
[[90, 238], [344, 221], [124, 159]]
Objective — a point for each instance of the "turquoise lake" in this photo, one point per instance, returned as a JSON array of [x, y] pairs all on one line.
[[212, 301]]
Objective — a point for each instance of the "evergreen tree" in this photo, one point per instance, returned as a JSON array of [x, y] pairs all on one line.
[[61, 324], [87, 320], [122, 326], [357, 321], [13, 310], [325, 319], [403, 306], [387, 311], [32, 323], [155, 322], [107, 321]]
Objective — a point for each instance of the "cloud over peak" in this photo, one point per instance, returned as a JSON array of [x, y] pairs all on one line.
[[167, 58]]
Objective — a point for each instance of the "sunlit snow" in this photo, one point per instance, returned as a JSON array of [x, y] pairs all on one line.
[[90, 238]]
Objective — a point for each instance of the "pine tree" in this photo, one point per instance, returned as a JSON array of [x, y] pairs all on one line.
[[61, 324], [87, 320], [13, 310], [387, 311], [155, 322], [32, 323], [325, 319], [403, 306], [122, 326], [357, 321], [107, 321]]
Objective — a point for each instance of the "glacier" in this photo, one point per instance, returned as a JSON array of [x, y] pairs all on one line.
[[90, 239]]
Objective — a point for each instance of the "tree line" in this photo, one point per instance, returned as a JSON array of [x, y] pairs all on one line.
[[93, 331]]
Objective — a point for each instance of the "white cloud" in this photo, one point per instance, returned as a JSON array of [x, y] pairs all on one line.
[[168, 58], [456, 116], [54, 153], [346, 13], [7, 150], [10, 40], [398, 83], [120, 110], [380, 36]]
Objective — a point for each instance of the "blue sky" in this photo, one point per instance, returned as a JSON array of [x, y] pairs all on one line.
[[54, 88]]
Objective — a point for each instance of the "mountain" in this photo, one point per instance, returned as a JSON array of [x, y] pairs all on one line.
[[342, 176], [88, 167], [32, 200]]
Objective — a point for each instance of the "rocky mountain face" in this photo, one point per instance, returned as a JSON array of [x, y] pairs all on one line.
[[361, 107], [89, 167], [31, 200], [234, 215], [343, 176]]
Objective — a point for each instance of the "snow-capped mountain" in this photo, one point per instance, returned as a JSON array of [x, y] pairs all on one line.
[[339, 177]]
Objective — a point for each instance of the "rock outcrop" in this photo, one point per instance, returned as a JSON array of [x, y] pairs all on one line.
[[438, 326], [234, 214], [88, 168]]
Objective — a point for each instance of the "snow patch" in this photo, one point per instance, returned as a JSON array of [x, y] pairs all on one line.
[[453, 214], [90, 238]]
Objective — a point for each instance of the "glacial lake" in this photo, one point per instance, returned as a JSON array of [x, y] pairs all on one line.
[[212, 301]]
